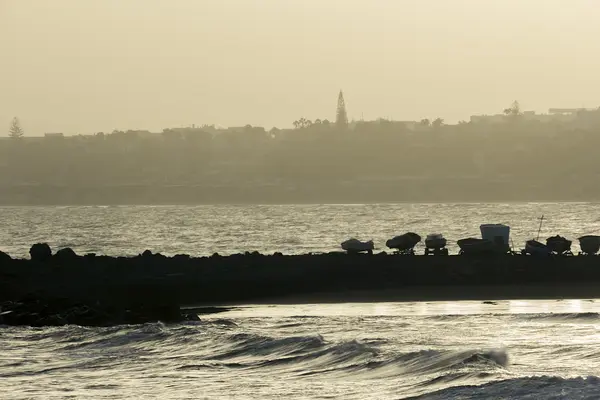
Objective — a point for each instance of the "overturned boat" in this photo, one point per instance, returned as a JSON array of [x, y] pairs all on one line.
[[404, 243], [589, 244], [353, 245], [435, 244], [559, 245], [475, 246], [535, 248]]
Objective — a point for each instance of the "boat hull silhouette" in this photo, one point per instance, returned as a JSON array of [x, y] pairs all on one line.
[[403, 242], [558, 244], [475, 246], [356, 246], [589, 244], [535, 248]]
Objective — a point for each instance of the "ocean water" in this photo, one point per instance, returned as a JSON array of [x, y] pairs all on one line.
[[458, 350], [546, 349], [290, 229]]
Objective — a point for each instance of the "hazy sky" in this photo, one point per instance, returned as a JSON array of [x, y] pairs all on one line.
[[81, 66]]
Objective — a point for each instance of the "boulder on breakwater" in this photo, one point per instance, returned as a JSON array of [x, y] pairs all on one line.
[[66, 254], [4, 257], [40, 252]]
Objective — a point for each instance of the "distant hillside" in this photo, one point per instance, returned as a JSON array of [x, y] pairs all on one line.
[[446, 190], [505, 158]]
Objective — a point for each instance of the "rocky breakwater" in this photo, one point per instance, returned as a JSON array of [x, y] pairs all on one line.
[[42, 292], [38, 311], [154, 279]]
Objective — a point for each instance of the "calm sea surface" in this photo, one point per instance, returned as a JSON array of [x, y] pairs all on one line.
[[442, 350]]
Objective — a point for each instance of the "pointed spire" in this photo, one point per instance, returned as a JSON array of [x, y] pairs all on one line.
[[341, 116]]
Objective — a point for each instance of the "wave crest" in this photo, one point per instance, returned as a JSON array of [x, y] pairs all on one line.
[[312, 355], [539, 387], [586, 316]]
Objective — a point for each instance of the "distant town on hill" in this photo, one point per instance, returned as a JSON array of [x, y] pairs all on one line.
[[512, 156]]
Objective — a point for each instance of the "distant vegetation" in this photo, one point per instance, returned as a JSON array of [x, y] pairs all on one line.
[[15, 130], [518, 152]]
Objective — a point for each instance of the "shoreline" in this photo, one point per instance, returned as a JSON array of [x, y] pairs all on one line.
[[458, 293], [423, 294]]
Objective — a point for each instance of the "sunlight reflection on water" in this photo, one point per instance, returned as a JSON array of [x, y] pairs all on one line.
[[291, 229], [414, 308]]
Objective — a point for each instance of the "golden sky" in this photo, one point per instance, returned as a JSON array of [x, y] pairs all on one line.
[[81, 66]]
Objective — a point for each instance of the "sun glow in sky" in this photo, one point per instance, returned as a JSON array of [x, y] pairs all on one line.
[[81, 66]]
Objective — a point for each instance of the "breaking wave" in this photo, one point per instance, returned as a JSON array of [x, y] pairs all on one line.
[[213, 345], [257, 348], [567, 317], [544, 317], [541, 387], [313, 355]]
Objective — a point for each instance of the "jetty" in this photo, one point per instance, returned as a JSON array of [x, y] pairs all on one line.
[[157, 282]]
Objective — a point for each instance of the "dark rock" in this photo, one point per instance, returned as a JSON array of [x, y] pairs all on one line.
[[4, 257], [191, 317], [40, 252], [147, 253], [66, 254], [33, 311]]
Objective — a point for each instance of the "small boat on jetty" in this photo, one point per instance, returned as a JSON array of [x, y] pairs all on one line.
[[435, 244], [405, 243], [353, 245], [497, 234], [559, 245], [535, 248], [494, 240], [475, 246], [590, 244]]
